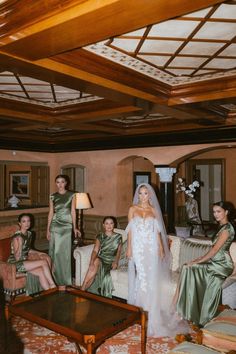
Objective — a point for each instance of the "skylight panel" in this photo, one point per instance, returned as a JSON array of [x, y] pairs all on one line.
[[138, 33], [214, 30], [203, 48], [129, 45], [226, 11], [218, 63], [187, 61], [29, 80], [155, 59], [156, 46], [173, 28], [230, 50], [201, 13]]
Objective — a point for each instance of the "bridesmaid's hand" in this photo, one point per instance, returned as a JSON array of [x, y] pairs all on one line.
[[77, 233], [48, 235], [128, 253], [114, 265]]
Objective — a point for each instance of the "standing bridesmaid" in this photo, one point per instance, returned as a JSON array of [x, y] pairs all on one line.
[[61, 221]]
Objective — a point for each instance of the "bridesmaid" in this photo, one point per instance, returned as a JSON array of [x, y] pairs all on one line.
[[105, 256], [61, 220], [200, 286]]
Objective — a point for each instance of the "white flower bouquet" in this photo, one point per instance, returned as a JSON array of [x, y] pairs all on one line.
[[188, 190]]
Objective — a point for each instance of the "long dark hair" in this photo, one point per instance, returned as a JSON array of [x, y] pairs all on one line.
[[66, 178], [228, 206]]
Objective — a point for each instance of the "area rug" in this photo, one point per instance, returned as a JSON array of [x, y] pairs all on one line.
[[33, 339]]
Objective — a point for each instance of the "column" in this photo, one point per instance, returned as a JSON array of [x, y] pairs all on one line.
[[167, 195]]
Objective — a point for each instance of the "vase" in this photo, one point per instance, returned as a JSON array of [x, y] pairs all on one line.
[[194, 216]]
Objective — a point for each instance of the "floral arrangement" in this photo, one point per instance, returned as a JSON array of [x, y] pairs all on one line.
[[188, 190]]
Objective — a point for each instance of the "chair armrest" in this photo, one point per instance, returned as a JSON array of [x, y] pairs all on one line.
[[82, 258], [8, 275]]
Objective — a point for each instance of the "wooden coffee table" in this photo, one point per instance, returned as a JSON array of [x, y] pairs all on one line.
[[82, 317]]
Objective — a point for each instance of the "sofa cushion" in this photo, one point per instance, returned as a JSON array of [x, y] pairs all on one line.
[[219, 335], [191, 348]]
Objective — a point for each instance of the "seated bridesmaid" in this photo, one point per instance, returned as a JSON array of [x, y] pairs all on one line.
[[200, 285], [21, 252], [105, 256]]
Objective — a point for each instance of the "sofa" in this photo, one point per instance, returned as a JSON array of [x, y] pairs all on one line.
[[182, 251]]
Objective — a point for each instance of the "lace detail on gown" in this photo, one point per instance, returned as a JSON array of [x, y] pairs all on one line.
[[147, 285]]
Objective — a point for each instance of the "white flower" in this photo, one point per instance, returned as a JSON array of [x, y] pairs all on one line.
[[189, 190]]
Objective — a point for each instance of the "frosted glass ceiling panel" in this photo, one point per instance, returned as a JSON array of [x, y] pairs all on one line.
[[173, 28], [214, 30], [230, 50], [154, 59], [139, 33], [201, 48], [189, 62], [128, 45], [181, 72], [225, 11], [201, 13], [222, 63], [155, 46]]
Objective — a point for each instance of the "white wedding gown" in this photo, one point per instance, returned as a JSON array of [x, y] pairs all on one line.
[[149, 281]]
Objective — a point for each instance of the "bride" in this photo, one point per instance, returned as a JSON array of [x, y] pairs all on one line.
[[149, 260]]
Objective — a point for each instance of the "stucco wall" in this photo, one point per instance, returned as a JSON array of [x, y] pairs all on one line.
[[109, 173]]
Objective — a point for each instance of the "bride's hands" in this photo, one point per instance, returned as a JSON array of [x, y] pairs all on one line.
[[161, 252]]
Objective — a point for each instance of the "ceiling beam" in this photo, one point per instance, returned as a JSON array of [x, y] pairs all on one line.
[[92, 21]]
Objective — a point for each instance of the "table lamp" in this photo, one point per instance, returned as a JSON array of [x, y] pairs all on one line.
[[82, 202]]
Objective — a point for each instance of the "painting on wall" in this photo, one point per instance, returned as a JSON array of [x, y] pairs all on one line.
[[19, 184], [141, 177]]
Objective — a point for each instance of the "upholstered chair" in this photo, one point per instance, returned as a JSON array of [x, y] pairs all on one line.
[[14, 284]]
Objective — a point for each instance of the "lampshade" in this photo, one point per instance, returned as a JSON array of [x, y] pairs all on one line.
[[82, 201]]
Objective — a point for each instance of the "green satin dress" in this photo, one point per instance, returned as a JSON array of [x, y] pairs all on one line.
[[61, 237], [102, 284], [200, 285], [32, 281]]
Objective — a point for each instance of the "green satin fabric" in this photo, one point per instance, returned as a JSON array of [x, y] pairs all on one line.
[[102, 284], [32, 281], [24, 252], [60, 241], [200, 285]]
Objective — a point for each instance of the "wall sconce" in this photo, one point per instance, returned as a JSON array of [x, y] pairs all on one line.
[[82, 203]]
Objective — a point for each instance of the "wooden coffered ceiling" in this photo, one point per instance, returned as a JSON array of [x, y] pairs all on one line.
[[85, 75]]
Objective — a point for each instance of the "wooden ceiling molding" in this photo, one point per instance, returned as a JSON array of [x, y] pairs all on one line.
[[85, 75]]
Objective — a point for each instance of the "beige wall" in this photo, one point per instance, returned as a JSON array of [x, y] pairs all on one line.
[[109, 174]]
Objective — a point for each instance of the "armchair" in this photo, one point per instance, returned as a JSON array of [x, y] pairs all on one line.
[[14, 284]]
